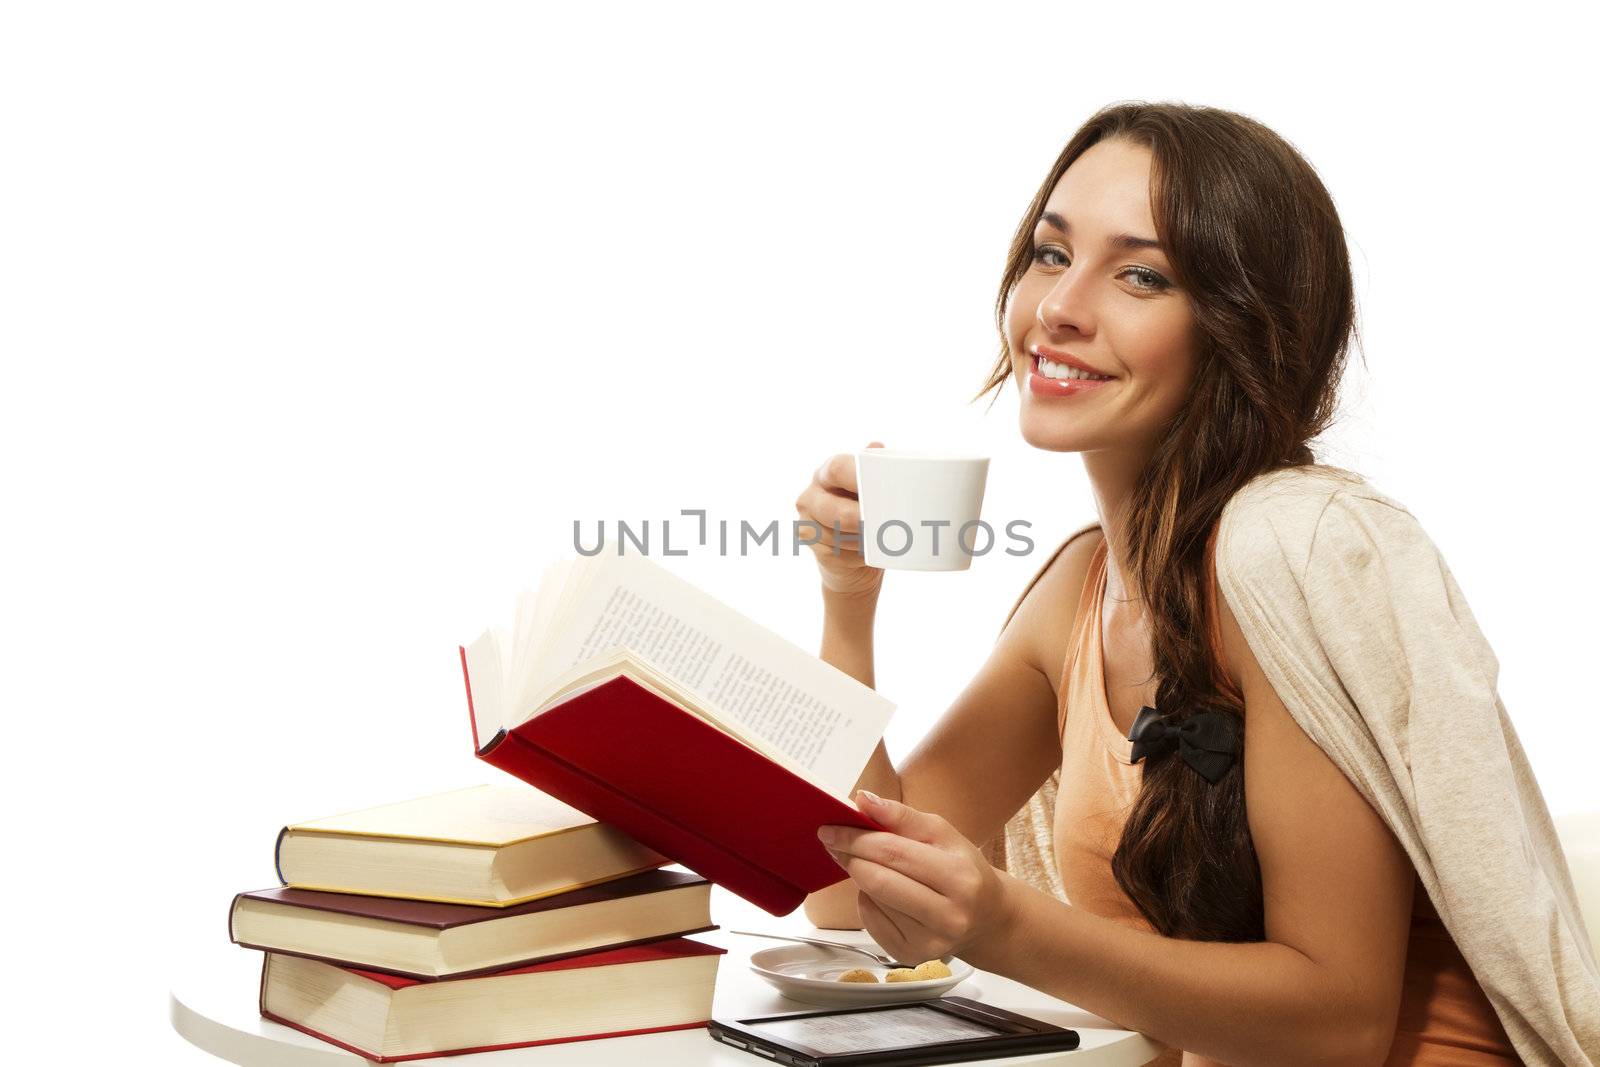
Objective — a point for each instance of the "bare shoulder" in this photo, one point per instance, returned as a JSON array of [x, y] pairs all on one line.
[[1041, 624]]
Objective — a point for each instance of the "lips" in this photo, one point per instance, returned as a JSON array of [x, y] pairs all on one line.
[[1040, 386]]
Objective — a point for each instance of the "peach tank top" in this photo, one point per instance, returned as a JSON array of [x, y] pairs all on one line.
[[1445, 1020]]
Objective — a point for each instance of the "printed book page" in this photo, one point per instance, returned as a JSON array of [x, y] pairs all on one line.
[[822, 720], [623, 661]]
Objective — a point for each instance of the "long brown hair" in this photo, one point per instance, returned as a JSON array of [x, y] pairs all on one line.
[[1257, 246]]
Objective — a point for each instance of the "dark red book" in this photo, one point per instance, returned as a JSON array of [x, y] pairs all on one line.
[[429, 941], [647, 704], [623, 752], [665, 985]]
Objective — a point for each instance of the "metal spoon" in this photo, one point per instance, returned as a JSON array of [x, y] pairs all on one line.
[[886, 961]]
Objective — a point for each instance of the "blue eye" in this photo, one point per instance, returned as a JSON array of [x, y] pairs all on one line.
[[1152, 281], [1044, 250]]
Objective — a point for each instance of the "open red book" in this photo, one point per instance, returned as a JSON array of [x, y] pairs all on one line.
[[643, 702]]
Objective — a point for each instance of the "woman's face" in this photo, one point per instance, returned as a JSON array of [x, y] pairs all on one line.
[[1094, 300]]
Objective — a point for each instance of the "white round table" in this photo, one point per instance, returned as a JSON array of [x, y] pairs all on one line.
[[213, 1005]]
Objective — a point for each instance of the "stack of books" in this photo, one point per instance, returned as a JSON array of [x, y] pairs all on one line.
[[483, 918], [655, 725]]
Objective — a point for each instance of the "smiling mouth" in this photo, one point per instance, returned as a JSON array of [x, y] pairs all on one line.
[[1047, 368], [1065, 385]]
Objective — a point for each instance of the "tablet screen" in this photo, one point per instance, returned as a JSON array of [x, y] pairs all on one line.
[[910, 1026]]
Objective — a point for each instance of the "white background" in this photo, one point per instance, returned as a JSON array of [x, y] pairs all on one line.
[[323, 322]]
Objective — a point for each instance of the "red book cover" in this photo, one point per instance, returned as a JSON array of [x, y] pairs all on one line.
[[629, 757], [661, 950], [442, 916], [435, 916]]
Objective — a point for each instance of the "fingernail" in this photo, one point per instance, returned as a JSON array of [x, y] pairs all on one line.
[[827, 835], [871, 797]]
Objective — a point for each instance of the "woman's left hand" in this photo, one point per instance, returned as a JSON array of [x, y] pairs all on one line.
[[925, 890]]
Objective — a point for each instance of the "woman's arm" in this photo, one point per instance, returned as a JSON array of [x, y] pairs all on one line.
[[847, 624], [988, 753], [1324, 988]]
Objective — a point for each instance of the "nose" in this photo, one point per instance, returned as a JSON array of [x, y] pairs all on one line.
[[1066, 306]]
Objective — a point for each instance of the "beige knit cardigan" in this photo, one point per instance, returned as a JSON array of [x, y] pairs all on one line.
[[1363, 633]]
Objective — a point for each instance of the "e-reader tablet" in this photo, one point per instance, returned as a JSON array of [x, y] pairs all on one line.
[[944, 1030]]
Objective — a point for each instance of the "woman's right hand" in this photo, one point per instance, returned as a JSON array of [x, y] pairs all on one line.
[[831, 500]]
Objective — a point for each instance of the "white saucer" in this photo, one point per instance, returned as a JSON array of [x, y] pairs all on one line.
[[810, 975]]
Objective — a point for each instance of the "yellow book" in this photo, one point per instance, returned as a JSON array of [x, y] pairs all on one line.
[[489, 845]]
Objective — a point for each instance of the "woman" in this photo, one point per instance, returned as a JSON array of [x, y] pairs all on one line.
[[1176, 309]]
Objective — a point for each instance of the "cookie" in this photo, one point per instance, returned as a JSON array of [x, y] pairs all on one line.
[[932, 969], [902, 974], [858, 974]]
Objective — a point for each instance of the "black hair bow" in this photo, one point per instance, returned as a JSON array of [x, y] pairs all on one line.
[[1207, 741]]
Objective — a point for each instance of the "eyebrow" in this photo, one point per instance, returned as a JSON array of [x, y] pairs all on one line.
[[1124, 241]]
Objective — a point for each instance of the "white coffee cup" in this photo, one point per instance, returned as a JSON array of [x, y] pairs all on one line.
[[920, 510]]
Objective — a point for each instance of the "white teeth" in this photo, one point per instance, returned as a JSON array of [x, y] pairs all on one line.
[[1051, 369]]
